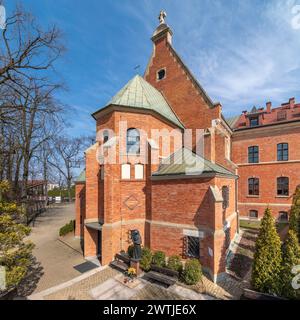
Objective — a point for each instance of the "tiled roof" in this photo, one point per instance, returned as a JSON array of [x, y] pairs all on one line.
[[186, 162], [138, 93], [232, 121], [81, 177], [287, 112]]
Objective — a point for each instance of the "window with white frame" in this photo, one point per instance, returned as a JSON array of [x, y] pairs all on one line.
[[125, 171], [139, 172], [283, 186], [253, 214], [161, 74]]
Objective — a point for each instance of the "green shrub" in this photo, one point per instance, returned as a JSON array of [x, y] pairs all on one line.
[[146, 259], [175, 263], [130, 251], [267, 257], [69, 227], [290, 258], [192, 273], [159, 259]]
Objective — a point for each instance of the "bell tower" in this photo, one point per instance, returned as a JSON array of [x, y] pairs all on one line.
[[163, 31]]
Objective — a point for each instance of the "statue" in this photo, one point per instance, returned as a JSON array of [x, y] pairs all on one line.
[[162, 16], [137, 241]]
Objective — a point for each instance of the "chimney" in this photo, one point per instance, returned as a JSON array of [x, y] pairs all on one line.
[[292, 103], [163, 31], [269, 106]]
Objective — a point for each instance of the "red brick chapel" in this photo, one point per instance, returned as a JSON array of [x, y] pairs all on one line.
[[191, 213]]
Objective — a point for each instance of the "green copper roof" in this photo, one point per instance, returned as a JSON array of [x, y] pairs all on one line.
[[138, 93], [186, 162], [81, 177]]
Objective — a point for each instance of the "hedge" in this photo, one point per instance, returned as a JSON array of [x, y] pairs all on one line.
[[174, 263], [159, 258], [68, 228], [192, 273], [146, 259]]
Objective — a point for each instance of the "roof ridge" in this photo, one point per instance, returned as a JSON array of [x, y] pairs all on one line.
[[142, 85], [140, 94], [209, 100]]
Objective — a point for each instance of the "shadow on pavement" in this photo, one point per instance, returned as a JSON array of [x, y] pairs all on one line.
[[29, 283]]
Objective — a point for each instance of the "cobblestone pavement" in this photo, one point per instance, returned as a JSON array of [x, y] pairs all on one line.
[[80, 290], [58, 258], [54, 259], [227, 289], [88, 289], [154, 292]]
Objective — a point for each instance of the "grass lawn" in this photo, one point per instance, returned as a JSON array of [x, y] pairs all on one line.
[[250, 224], [255, 225]]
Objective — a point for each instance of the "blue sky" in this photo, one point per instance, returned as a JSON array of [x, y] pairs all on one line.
[[243, 52]]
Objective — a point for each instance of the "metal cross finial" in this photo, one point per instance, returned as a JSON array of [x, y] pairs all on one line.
[[162, 16]]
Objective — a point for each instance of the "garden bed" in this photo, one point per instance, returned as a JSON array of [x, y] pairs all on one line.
[[242, 260]]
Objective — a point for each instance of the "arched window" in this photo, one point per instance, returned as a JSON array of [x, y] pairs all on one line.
[[253, 214], [133, 141], [139, 172], [283, 186], [126, 171], [282, 152], [105, 136], [253, 187]]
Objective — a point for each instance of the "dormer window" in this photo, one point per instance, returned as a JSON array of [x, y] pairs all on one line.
[[254, 121], [281, 115], [161, 74]]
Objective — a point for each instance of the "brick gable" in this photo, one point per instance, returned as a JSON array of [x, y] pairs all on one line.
[[190, 103]]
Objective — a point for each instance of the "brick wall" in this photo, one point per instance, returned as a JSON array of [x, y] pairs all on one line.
[[80, 204], [268, 170], [179, 205], [178, 88]]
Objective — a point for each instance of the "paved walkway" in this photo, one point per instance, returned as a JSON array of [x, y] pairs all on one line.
[[54, 259], [56, 279], [105, 283]]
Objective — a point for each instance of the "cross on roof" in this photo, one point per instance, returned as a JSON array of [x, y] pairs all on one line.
[[162, 16]]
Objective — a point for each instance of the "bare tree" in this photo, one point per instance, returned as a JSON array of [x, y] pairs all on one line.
[[29, 113], [26, 50], [68, 156]]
